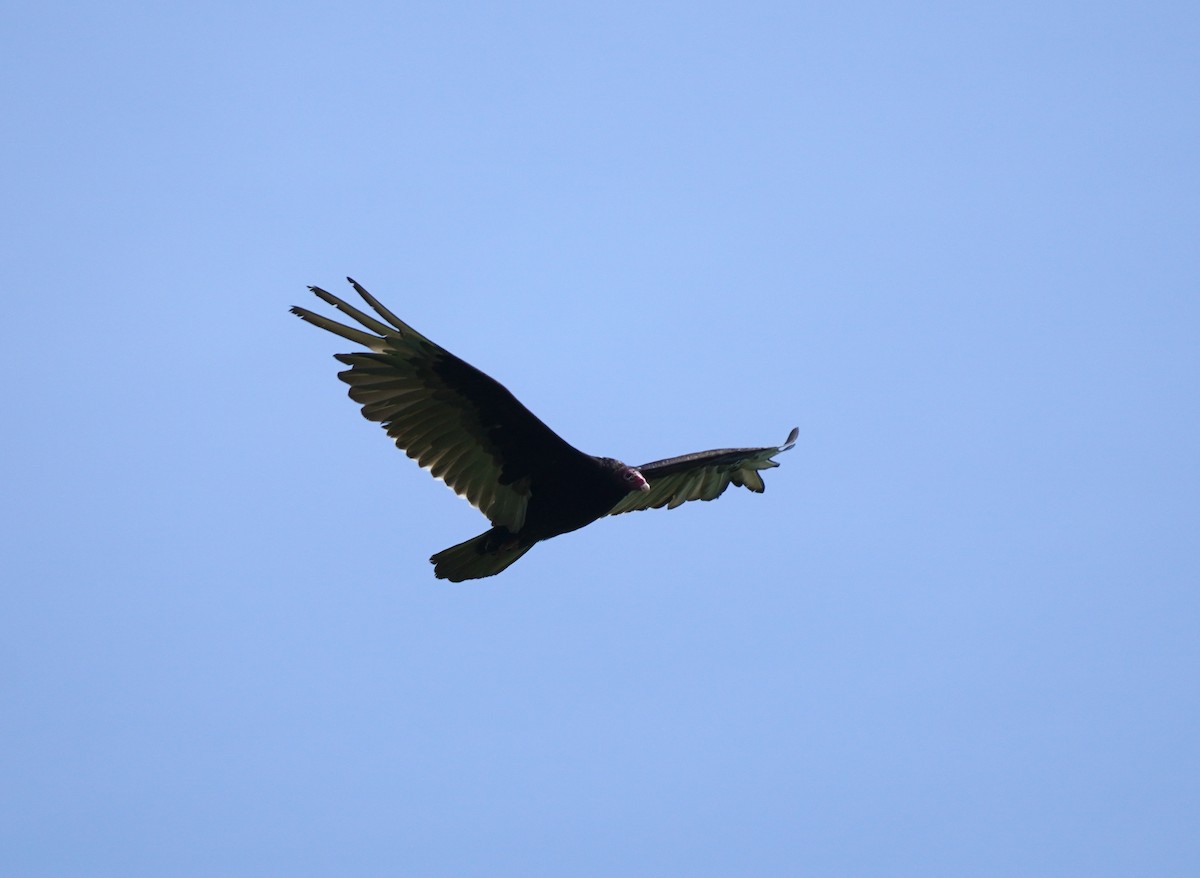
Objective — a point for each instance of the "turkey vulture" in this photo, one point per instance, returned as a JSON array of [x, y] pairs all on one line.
[[470, 432]]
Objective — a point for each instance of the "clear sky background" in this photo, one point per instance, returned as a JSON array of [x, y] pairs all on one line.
[[957, 244]]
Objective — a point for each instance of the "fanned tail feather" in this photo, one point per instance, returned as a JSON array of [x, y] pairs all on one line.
[[479, 557]]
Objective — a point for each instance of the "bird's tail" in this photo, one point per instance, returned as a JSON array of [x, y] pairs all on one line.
[[484, 555]]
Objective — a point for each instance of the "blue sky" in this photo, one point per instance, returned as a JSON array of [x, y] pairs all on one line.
[[957, 245]]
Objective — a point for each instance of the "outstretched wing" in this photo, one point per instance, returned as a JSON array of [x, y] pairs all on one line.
[[702, 476], [460, 424]]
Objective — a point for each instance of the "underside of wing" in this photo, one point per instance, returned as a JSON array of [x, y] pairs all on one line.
[[462, 425], [702, 476]]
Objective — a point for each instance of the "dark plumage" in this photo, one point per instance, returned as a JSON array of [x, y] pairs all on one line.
[[470, 432]]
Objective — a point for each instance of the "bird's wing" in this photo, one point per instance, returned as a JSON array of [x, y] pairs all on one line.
[[463, 426], [701, 476]]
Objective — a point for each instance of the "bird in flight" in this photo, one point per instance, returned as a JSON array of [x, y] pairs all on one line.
[[469, 431]]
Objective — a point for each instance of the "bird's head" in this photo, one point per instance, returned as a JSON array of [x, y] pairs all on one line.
[[632, 479], [627, 476]]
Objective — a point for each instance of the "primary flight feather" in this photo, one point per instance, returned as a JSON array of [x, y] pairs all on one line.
[[470, 432]]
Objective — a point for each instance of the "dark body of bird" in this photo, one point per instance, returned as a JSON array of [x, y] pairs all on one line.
[[468, 430]]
